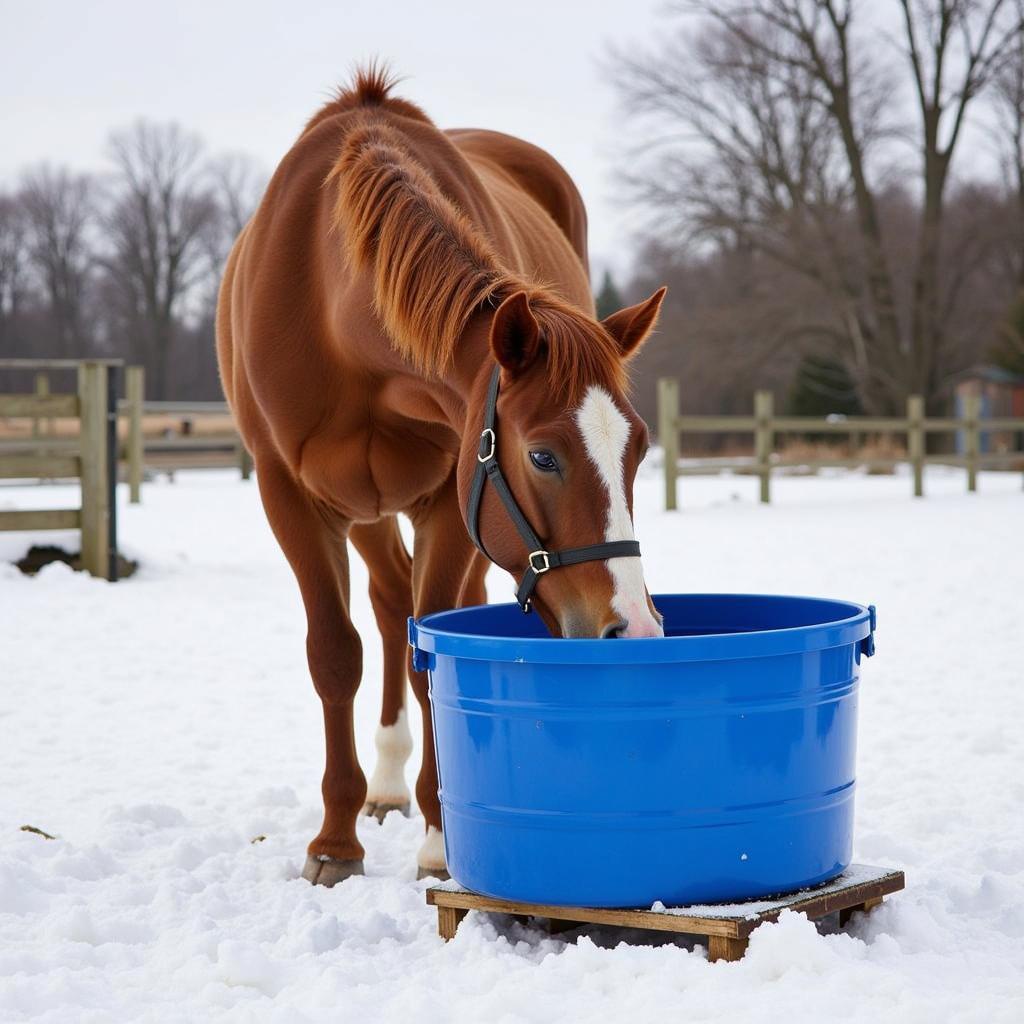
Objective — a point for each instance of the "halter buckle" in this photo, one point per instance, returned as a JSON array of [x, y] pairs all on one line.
[[545, 562], [486, 435]]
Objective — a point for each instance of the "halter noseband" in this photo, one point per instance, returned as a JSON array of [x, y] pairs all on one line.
[[540, 560]]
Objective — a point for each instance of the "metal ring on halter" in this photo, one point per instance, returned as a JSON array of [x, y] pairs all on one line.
[[493, 444], [545, 561]]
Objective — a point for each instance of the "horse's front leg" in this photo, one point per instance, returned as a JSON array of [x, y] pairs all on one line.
[[316, 549], [443, 556]]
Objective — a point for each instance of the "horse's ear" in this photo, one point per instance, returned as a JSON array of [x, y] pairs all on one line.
[[515, 333], [630, 326]]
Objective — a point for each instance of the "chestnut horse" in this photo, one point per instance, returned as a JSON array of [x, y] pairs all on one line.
[[389, 269]]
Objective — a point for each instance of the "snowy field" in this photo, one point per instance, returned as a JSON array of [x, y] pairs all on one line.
[[157, 726]]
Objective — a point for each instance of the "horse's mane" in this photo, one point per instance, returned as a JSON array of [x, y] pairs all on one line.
[[431, 268]]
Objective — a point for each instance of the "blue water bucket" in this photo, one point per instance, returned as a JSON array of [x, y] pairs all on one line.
[[716, 764]]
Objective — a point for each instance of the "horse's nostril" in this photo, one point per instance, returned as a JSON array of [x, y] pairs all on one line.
[[613, 630]]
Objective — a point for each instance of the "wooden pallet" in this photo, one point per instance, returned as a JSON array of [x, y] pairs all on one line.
[[727, 926]]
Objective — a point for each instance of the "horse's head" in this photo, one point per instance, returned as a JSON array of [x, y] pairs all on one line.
[[562, 441]]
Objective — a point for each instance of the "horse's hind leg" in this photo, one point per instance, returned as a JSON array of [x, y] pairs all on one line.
[[315, 548], [382, 549], [474, 590]]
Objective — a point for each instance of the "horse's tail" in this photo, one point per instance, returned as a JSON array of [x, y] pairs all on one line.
[[370, 86]]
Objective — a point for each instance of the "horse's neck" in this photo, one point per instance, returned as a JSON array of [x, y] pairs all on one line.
[[465, 382]]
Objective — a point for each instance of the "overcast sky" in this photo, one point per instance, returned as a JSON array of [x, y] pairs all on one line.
[[246, 75]]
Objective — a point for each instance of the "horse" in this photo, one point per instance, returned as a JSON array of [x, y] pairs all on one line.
[[393, 276]]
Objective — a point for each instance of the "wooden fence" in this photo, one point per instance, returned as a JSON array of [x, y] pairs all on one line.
[[766, 428], [93, 455], [177, 451]]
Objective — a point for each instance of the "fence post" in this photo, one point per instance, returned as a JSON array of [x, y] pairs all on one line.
[[244, 460], [972, 411], [915, 441], [135, 392], [763, 441], [42, 390], [92, 396], [668, 435]]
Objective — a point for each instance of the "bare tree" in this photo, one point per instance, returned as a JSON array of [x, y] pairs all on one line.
[[13, 264], [158, 227], [59, 210], [238, 184], [787, 103], [1009, 104]]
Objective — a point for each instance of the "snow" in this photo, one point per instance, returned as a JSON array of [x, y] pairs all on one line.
[[160, 726]]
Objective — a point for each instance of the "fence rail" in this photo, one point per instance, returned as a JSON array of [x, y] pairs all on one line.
[[766, 428]]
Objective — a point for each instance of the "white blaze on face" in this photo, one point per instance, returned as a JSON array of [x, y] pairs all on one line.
[[605, 435]]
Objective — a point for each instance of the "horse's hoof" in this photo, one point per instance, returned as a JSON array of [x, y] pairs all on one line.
[[439, 873], [379, 810], [330, 872]]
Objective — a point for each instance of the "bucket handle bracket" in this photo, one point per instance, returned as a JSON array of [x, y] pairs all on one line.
[[867, 645], [421, 660]]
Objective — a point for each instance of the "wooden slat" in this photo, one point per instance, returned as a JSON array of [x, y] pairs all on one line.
[[851, 425], [92, 390], [135, 390], [716, 424], [764, 442], [851, 463], [54, 364], [991, 459], [938, 424], [168, 462], [185, 408], [722, 948], [661, 922], [39, 446], [668, 436], [1000, 458], [46, 467], [1001, 424], [701, 466], [41, 519], [38, 405], [191, 441]]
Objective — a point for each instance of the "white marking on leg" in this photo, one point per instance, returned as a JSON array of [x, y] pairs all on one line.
[[431, 853], [394, 745], [605, 435]]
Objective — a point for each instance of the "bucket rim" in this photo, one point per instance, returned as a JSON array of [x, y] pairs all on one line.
[[428, 635]]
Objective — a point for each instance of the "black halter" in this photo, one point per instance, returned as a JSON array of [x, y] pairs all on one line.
[[539, 560]]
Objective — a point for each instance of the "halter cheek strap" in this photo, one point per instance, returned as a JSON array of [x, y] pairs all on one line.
[[539, 560]]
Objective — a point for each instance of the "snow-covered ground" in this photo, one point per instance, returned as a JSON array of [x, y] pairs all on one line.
[[159, 725]]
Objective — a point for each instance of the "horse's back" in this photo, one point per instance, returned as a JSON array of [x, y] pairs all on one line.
[[533, 170]]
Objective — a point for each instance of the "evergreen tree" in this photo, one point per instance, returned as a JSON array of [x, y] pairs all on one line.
[[608, 300], [822, 387]]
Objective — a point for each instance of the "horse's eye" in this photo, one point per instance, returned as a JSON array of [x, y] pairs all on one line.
[[544, 461]]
